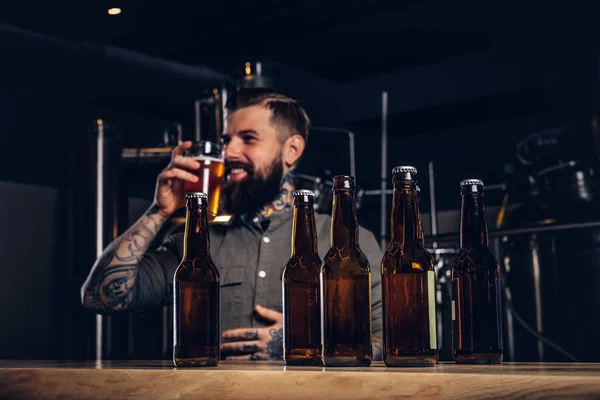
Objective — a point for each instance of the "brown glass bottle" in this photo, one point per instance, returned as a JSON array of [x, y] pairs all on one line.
[[408, 283], [476, 303], [301, 294], [196, 310], [346, 286]]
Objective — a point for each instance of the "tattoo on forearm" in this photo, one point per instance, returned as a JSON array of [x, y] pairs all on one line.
[[112, 279], [136, 241], [275, 345]]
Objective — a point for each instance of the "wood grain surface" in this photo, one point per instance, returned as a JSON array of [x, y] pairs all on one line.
[[264, 380]]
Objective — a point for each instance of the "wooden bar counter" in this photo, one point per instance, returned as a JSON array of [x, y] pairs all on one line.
[[266, 380]]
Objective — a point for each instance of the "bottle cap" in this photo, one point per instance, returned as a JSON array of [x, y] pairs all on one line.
[[404, 169], [404, 173], [471, 182], [196, 195], [303, 192], [471, 186], [303, 196], [343, 182]]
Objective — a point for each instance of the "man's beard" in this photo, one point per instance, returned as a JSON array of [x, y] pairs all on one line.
[[254, 192]]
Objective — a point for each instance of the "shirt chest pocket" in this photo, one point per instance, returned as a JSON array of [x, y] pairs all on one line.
[[232, 297]]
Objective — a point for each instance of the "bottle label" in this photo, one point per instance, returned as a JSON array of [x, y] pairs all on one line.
[[453, 310], [432, 314]]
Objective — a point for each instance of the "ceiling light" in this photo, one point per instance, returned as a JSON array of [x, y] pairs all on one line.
[[114, 11]]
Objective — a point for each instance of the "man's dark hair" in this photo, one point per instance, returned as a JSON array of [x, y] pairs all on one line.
[[288, 116]]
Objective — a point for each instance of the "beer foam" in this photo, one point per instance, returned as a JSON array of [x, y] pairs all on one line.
[[206, 159]]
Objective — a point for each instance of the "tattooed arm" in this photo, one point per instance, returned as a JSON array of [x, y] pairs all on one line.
[[109, 285]]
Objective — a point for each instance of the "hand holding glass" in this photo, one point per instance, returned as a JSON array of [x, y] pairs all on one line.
[[210, 173]]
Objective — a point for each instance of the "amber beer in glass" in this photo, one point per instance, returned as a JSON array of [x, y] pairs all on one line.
[[408, 282], [196, 317], [476, 303], [346, 286], [301, 294], [210, 173]]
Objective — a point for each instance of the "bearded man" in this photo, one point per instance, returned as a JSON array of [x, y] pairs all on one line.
[[265, 137]]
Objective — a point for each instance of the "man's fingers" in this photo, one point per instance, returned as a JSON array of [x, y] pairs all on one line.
[[251, 357], [177, 151], [269, 314], [185, 163], [176, 173], [242, 347], [240, 334]]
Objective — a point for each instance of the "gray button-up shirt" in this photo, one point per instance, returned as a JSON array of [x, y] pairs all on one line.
[[250, 261]]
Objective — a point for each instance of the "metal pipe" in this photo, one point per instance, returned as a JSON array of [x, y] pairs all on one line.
[[223, 104], [537, 290], [433, 211], [377, 192], [197, 117], [384, 112], [179, 133], [536, 229], [352, 154], [99, 219]]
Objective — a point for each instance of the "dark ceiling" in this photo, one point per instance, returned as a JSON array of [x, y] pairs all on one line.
[[342, 43]]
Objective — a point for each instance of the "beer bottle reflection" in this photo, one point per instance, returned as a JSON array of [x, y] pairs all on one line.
[[476, 304], [300, 279], [196, 317], [420, 234], [408, 282], [346, 286]]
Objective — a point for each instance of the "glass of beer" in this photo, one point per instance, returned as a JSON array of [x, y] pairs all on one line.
[[210, 173]]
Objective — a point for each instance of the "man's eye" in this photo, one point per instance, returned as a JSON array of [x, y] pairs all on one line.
[[248, 138], [225, 140]]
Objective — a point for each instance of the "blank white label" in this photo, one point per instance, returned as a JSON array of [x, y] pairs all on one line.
[[453, 310], [432, 315]]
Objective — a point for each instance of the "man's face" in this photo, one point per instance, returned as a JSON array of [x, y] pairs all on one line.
[[253, 160]]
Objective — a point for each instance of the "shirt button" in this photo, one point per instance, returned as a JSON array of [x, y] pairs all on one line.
[[262, 274], [255, 220], [266, 239]]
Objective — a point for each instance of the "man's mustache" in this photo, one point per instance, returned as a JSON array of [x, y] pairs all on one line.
[[229, 165]]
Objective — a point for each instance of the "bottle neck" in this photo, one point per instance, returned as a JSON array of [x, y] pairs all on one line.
[[473, 228], [344, 227], [304, 238], [405, 214], [196, 243]]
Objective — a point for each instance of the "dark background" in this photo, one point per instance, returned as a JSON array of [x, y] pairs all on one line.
[[466, 81]]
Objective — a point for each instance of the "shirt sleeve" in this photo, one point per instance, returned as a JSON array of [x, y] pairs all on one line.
[[371, 249], [154, 280]]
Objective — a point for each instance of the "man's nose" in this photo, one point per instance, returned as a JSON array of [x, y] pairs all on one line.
[[233, 149]]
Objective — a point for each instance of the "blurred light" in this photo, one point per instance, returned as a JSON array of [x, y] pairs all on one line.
[[114, 11], [248, 69], [222, 218], [547, 221]]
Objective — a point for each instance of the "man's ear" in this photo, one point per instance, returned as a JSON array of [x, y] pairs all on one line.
[[293, 149]]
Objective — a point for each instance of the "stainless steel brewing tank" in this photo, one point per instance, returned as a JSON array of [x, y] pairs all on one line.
[[550, 254]]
